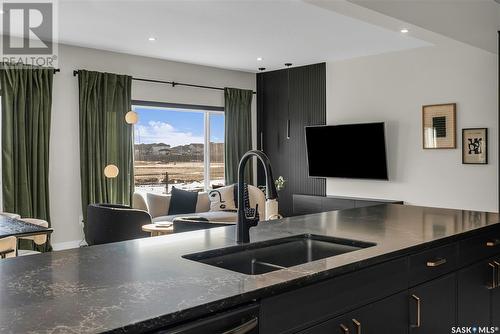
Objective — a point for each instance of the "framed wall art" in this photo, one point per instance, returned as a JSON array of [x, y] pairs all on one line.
[[439, 126], [475, 146]]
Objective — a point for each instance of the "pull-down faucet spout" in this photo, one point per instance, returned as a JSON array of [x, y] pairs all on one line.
[[248, 217]]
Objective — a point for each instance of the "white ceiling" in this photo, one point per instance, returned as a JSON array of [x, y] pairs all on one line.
[[474, 22], [226, 34]]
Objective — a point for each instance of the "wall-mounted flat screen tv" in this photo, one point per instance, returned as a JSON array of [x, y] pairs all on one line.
[[355, 151]]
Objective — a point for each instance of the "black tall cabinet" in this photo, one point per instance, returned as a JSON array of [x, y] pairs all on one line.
[[287, 101]]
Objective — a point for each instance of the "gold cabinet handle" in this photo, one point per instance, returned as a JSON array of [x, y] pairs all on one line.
[[494, 279], [436, 263], [493, 243], [358, 326], [417, 299], [344, 329]]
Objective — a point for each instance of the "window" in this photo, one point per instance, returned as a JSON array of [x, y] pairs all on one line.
[[177, 145], [216, 161]]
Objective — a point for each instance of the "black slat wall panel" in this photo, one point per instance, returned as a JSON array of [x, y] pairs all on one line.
[[307, 107], [307, 99]]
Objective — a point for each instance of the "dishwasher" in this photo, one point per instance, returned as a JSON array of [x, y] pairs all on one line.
[[241, 320]]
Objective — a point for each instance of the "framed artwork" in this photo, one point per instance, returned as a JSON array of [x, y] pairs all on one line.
[[439, 126], [475, 146]]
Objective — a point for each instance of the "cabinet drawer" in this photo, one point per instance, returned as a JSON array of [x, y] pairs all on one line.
[[304, 307], [432, 263], [484, 245]]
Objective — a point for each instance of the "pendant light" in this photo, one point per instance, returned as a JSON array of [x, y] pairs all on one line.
[[131, 117], [288, 100], [111, 171]]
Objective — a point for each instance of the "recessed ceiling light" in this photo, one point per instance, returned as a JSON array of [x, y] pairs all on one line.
[[404, 31], [259, 58], [1, 12], [152, 39]]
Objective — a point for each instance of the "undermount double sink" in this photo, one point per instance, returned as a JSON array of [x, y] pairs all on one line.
[[266, 256]]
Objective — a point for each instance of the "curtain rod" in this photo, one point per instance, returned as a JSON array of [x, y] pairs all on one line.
[[173, 83], [57, 70]]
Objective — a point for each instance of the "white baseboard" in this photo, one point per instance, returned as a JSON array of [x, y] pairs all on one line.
[[66, 245]]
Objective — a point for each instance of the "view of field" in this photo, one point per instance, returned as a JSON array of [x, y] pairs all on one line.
[[151, 175], [171, 146]]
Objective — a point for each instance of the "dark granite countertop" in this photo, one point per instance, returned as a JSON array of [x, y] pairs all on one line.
[[143, 284]]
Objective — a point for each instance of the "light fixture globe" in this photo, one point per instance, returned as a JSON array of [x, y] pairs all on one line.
[[111, 171], [131, 117]]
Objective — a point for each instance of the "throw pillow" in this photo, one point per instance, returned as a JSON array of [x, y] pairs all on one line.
[[222, 199], [182, 202]]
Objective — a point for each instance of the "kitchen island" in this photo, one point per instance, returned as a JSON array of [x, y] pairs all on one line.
[[146, 285]]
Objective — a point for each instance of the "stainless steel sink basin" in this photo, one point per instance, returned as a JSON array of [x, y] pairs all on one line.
[[262, 257]]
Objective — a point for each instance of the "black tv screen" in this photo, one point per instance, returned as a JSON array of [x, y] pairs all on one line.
[[349, 151]]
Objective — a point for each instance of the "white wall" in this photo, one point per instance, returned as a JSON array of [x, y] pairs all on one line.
[[392, 88], [64, 172]]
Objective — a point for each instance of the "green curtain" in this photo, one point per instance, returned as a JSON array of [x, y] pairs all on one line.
[[105, 138], [26, 110], [238, 131]]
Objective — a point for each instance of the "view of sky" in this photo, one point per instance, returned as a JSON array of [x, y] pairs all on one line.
[[175, 127]]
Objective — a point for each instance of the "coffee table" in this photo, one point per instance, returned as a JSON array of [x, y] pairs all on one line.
[[158, 229]]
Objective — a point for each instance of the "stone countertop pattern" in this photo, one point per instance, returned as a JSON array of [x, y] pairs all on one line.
[[144, 284]]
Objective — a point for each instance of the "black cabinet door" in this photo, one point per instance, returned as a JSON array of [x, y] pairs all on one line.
[[338, 325], [495, 307], [389, 315], [272, 115], [272, 95], [473, 294], [433, 306], [495, 295]]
